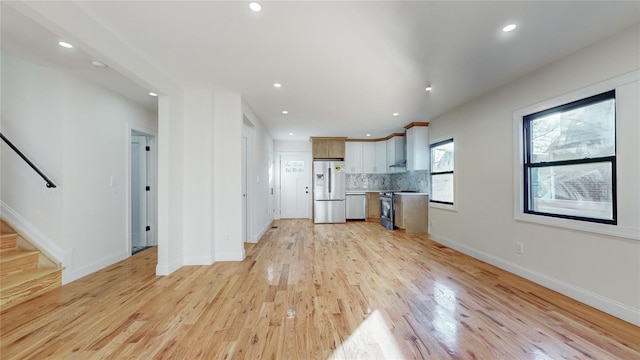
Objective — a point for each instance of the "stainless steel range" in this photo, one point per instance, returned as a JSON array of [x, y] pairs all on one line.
[[386, 209]]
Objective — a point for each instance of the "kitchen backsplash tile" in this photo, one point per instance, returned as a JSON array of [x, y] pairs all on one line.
[[368, 181], [410, 180]]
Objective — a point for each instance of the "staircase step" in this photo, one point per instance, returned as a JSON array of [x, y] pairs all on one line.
[[27, 284], [5, 228], [8, 242], [11, 262]]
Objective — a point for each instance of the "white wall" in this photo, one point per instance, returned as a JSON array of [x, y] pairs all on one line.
[[198, 177], [600, 270], [261, 201], [227, 161], [78, 132]]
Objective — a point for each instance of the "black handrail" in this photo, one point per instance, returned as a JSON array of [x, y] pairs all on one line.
[[50, 183]]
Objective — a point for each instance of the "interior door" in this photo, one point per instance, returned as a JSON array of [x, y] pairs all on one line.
[[295, 187]]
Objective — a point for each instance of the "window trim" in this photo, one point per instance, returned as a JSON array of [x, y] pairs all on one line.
[[528, 164], [442, 204], [624, 229]]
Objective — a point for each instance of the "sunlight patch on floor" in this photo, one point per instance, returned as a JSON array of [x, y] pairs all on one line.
[[371, 340]]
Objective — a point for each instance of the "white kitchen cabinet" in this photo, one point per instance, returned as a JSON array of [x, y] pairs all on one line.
[[395, 154], [380, 149], [353, 157], [417, 137], [368, 157]]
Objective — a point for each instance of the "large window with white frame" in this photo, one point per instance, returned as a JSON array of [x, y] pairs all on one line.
[[442, 171], [570, 160]]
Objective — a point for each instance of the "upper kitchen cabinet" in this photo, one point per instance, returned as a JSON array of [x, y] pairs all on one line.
[[380, 149], [353, 157], [366, 157], [374, 157], [417, 138], [328, 147], [395, 154]]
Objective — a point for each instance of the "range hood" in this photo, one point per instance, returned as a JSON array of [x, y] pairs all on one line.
[[401, 163]]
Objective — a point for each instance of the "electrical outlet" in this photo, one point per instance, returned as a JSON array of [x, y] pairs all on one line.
[[519, 248]]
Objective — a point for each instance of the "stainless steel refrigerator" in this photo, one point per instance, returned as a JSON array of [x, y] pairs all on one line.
[[329, 192]]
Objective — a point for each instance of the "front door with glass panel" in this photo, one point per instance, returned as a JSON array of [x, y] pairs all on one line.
[[295, 187]]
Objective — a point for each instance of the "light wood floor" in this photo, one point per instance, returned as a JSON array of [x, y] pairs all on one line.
[[343, 291]]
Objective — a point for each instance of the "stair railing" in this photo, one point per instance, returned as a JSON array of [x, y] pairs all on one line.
[[50, 183]]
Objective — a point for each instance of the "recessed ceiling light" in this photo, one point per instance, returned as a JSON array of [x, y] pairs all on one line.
[[153, 94], [277, 85], [395, 114], [98, 64], [367, 135], [65, 45], [428, 88], [509, 27], [255, 6], [290, 133], [285, 112]]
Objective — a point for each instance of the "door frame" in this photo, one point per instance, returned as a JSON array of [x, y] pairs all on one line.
[[152, 180], [278, 180], [139, 197]]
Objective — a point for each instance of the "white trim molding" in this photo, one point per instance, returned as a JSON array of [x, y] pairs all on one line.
[[75, 274], [621, 230], [39, 240], [609, 306]]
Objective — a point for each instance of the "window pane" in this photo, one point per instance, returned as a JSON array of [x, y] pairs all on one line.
[[442, 157], [583, 190], [584, 132], [293, 166], [442, 187]]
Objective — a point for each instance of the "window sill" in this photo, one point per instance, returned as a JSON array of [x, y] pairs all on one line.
[[584, 226]]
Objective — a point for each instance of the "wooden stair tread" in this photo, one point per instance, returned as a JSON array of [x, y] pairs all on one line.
[[9, 256], [8, 242], [25, 276], [25, 273]]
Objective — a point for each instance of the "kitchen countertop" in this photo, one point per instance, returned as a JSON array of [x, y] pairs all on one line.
[[397, 192], [363, 191]]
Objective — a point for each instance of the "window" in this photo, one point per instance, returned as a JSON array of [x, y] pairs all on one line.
[[293, 166], [442, 172], [570, 160]]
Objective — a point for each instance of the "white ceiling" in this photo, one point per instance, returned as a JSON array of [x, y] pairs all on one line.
[[345, 66], [23, 37]]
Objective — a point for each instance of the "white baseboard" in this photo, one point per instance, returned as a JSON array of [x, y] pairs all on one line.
[[163, 270], [230, 256], [39, 240], [69, 275], [197, 260], [609, 306], [255, 239]]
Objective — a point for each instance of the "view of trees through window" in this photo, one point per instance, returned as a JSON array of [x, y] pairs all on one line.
[[570, 160], [442, 172]]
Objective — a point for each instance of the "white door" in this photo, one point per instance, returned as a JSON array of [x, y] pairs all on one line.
[[138, 191], [295, 187]]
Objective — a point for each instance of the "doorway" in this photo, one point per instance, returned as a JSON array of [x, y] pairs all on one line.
[[295, 187], [142, 192]]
